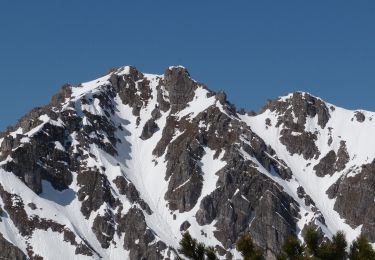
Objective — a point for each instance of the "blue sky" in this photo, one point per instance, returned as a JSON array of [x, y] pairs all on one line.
[[254, 50]]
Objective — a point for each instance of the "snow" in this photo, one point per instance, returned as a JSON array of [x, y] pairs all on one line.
[[199, 103], [54, 246], [358, 141], [89, 87], [176, 67], [136, 162], [59, 146]]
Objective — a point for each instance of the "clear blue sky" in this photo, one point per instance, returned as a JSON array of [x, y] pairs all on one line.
[[254, 50]]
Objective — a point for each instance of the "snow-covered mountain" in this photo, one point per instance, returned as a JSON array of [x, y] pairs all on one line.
[[119, 167]]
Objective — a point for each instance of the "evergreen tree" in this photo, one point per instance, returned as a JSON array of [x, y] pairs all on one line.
[[210, 253], [339, 245], [312, 240], [291, 250], [200, 251], [247, 248], [334, 249], [190, 248], [361, 249]]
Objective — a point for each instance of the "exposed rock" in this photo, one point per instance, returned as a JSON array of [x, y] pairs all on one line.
[[103, 228], [185, 226], [271, 230], [222, 97], [65, 92], [7, 144], [37, 160], [163, 104], [331, 163], [342, 157], [127, 188], [353, 198], [184, 174], [9, 251], [32, 206], [156, 114], [333, 190], [167, 135], [301, 192], [139, 239], [300, 143], [180, 87], [299, 105], [359, 116], [127, 87], [268, 122], [234, 211], [149, 129], [26, 225], [326, 164], [94, 191]]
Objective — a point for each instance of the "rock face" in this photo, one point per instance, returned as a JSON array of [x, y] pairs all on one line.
[[354, 197], [119, 167], [179, 86], [331, 162], [9, 251]]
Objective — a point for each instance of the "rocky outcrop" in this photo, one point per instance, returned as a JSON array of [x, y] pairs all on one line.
[[180, 87], [64, 93], [9, 251], [353, 198], [359, 116], [127, 188], [293, 113], [139, 239], [26, 225], [300, 143], [331, 162], [149, 129], [185, 226], [103, 228], [94, 191], [295, 110], [244, 196]]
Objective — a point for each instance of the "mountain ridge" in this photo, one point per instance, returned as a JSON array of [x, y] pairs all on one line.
[[97, 151]]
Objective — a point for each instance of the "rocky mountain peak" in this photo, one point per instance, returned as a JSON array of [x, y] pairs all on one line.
[[296, 108], [119, 166], [180, 86]]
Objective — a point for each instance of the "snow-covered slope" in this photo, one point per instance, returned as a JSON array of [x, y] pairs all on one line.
[[120, 167], [342, 126]]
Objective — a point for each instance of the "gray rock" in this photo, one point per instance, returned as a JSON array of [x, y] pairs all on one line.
[[103, 228], [331, 163], [359, 116], [180, 87], [94, 191], [185, 226], [326, 165], [32, 206], [149, 129], [353, 197], [10, 251], [138, 237]]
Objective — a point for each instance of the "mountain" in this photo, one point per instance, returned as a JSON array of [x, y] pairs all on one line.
[[119, 167]]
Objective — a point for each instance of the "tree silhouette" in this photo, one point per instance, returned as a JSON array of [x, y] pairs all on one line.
[[292, 249], [312, 240], [192, 249], [247, 248], [361, 249]]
